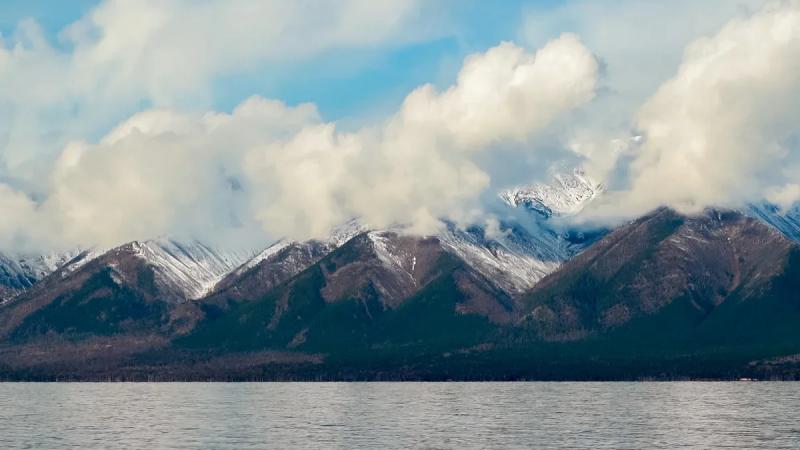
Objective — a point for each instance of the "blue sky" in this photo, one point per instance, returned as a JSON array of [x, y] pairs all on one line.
[[53, 15], [348, 85], [128, 119], [374, 82]]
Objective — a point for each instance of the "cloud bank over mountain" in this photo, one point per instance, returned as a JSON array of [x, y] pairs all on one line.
[[116, 141], [724, 129], [124, 56], [286, 172]]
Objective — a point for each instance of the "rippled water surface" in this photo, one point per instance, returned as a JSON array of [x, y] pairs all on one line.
[[401, 415]]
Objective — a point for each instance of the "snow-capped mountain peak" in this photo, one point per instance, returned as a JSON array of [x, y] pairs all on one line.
[[566, 195]]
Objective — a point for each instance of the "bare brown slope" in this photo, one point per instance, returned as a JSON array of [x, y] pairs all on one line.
[[115, 292], [654, 262], [251, 283]]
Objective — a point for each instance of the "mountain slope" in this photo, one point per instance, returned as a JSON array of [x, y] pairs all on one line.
[[21, 271], [679, 275], [112, 291], [715, 295], [663, 296], [516, 259], [278, 263], [513, 258], [192, 266], [358, 296], [190, 269], [107, 295], [787, 222], [13, 279]]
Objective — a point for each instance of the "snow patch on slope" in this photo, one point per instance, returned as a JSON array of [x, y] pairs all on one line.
[[18, 272], [382, 250], [345, 232], [335, 239], [518, 257], [193, 267], [39, 266], [514, 262], [787, 222], [267, 253], [81, 260]]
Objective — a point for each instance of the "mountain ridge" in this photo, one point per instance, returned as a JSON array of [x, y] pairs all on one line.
[[708, 295]]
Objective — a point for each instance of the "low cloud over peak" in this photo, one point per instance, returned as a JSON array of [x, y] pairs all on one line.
[[108, 136], [724, 129], [268, 169]]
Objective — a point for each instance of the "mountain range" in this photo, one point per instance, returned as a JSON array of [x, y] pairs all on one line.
[[714, 295]]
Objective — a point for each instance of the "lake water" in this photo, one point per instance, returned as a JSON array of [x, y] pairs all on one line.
[[400, 415]]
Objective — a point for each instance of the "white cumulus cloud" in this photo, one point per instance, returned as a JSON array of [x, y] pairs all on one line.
[[724, 129], [270, 170], [126, 55]]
